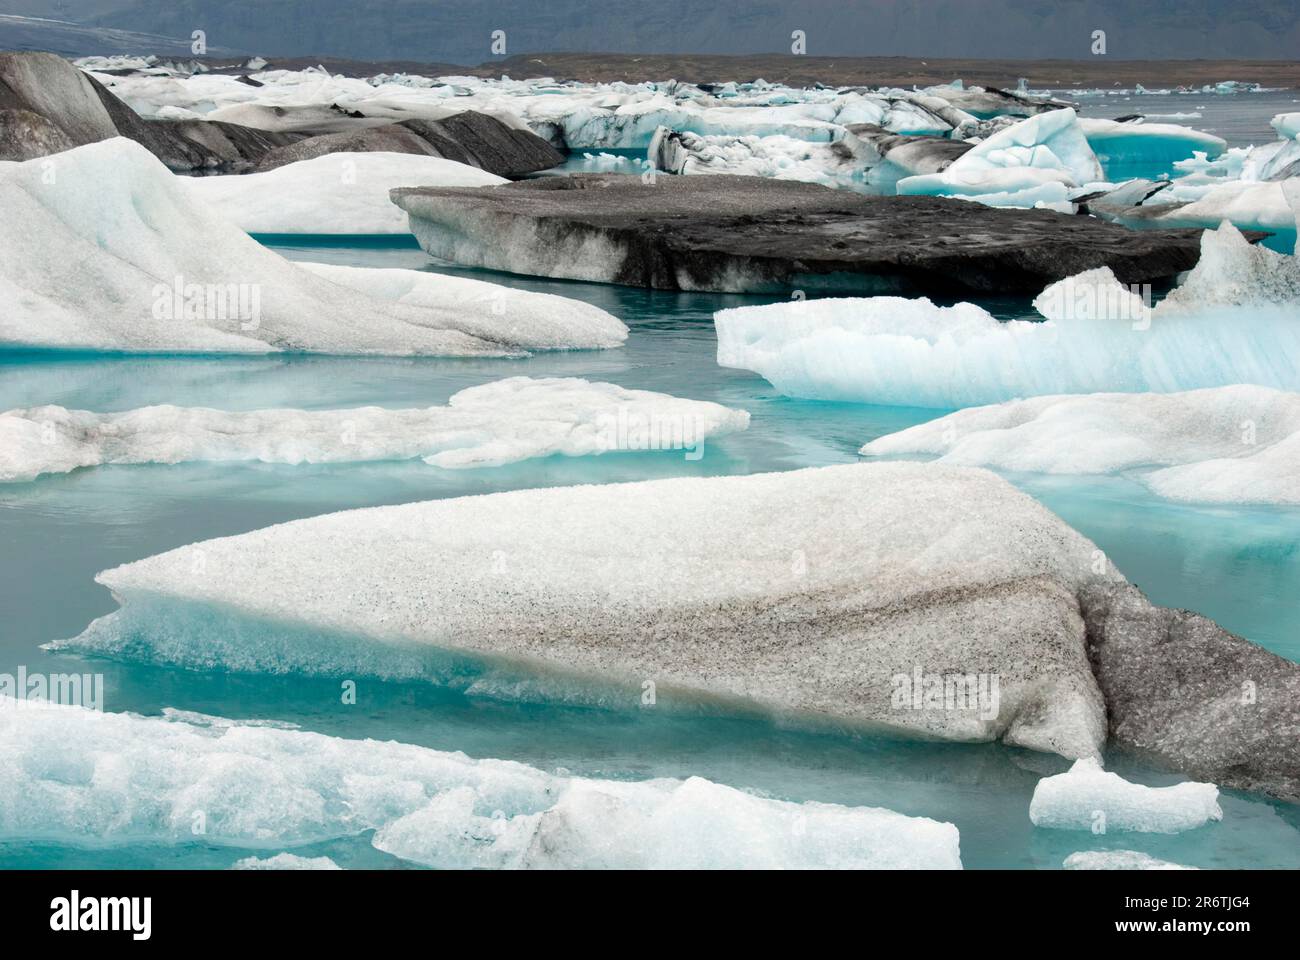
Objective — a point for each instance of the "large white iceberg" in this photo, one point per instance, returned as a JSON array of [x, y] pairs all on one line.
[[1231, 321], [488, 425], [339, 193], [1089, 798], [77, 776], [1030, 163], [102, 248], [1238, 444], [866, 595]]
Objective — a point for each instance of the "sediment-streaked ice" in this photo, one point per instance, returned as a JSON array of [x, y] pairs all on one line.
[[102, 248], [1231, 321], [1236, 444], [489, 425], [1089, 798], [82, 777], [865, 594], [1118, 860], [337, 194]]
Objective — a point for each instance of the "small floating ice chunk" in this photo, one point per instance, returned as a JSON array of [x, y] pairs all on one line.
[[80, 776], [286, 861], [1118, 860], [339, 193], [488, 425], [1089, 798], [1233, 272], [1236, 444]]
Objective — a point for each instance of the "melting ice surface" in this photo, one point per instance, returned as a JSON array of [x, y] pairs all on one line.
[[1239, 565]]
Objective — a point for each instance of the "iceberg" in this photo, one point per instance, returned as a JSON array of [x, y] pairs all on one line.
[[1287, 125], [1089, 798], [1235, 444], [338, 193], [131, 262], [758, 592], [489, 425], [1139, 149], [1229, 322], [83, 777], [1026, 164], [1118, 860]]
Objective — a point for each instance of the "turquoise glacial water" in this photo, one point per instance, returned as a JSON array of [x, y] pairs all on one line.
[[1240, 566]]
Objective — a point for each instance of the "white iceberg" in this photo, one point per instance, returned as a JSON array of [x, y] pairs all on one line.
[[78, 776], [1287, 125], [1231, 321], [1118, 860], [1235, 444], [814, 594], [1089, 798], [489, 425], [102, 248], [336, 194], [1027, 164]]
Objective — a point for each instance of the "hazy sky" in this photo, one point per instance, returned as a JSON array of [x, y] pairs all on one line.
[[461, 31]]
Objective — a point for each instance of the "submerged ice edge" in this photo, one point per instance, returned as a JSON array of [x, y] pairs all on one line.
[[87, 778]]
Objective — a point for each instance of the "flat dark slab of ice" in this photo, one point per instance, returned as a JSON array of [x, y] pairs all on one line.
[[752, 234]]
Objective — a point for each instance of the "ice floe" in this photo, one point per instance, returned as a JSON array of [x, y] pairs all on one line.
[[286, 861], [1089, 798], [1118, 860], [1231, 321], [102, 248], [339, 193], [488, 425], [818, 594], [84, 777], [1237, 444], [1140, 149]]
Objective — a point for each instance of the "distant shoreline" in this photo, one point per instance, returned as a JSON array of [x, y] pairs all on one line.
[[1096, 72]]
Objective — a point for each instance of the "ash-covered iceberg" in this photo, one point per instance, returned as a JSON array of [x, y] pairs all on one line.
[[865, 595], [489, 425], [335, 194], [1236, 444], [919, 598], [1231, 321], [1089, 798], [101, 248], [83, 777]]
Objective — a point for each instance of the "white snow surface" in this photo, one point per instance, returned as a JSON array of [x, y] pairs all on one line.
[[805, 593], [286, 861], [1087, 797], [78, 776], [1235, 444], [489, 425], [339, 193], [102, 248]]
